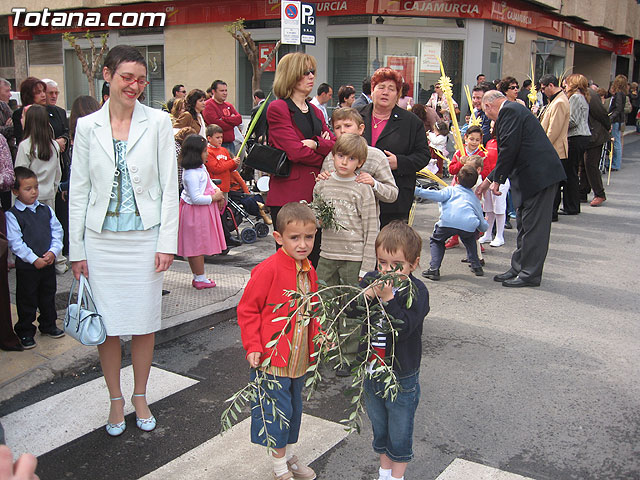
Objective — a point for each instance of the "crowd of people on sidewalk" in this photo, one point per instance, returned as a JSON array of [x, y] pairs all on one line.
[[122, 188]]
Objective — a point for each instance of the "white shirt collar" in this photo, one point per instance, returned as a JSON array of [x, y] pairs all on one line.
[[21, 206]]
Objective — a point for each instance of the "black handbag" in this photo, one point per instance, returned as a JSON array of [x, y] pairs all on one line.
[[268, 159]]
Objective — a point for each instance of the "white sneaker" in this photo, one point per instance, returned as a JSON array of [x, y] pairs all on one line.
[[496, 242], [484, 239]]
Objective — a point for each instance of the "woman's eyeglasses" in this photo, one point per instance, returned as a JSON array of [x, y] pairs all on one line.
[[513, 87], [130, 80], [311, 71]]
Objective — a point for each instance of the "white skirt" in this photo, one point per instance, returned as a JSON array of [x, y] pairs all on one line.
[[126, 288], [496, 203]]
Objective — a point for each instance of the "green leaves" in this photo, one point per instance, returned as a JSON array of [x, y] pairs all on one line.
[[252, 125], [330, 305]]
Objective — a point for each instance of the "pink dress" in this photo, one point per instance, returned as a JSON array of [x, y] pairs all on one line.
[[200, 228]]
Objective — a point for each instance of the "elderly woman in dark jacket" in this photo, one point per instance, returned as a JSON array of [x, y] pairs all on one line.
[[400, 135], [616, 114]]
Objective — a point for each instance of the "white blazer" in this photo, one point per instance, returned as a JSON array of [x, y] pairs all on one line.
[[151, 160]]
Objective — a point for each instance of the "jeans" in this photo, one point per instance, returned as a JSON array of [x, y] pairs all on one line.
[[442, 234], [288, 400], [617, 146], [392, 421]]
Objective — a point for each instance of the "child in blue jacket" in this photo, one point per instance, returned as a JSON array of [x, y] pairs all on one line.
[[460, 214]]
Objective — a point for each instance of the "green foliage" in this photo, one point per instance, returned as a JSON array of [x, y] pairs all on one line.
[[325, 213], [331, 306]]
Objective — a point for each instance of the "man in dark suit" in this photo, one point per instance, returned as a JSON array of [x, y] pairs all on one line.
[[365, 96], [528, 159]]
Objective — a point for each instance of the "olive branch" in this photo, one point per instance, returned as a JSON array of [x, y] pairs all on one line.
[[331, 305]]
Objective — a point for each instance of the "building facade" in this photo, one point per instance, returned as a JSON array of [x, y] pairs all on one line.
[[353, 38]]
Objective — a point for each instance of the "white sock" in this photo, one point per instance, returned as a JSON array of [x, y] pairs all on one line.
[[201, 278], [289, 453], [479, 248], [491, 217], [394, 478], [500, 219], [280, 466], [384, 473]]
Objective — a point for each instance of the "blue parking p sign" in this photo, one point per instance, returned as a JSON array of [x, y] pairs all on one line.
[[308, 23]]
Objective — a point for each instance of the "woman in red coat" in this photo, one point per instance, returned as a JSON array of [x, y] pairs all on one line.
[[297, 127]]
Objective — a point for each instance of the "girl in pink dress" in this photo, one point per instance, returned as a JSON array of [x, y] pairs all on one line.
[[200, 231]]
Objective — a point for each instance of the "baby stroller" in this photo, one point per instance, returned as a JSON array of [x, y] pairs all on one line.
[[241, 206]]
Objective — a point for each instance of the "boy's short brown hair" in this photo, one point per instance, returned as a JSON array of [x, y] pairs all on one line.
[[397, 235], [468, 176], [294, 212], [473, 129], [474, 160], [213, 129], [346, 113], [352, 145]]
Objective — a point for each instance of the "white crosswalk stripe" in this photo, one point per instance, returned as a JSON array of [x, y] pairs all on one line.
[[232, 455], [461, 469], [61, 418]]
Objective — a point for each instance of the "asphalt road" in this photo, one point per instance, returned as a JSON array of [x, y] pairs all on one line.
[[543, 382]]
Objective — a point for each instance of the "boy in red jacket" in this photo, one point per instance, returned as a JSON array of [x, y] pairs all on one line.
[[219, 162], [290, 357]]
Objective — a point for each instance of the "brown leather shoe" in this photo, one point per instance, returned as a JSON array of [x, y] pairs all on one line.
[[597, 201], [286, 476], [300, 471]]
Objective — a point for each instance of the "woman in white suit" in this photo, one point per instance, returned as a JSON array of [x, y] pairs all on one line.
[[123, 223]]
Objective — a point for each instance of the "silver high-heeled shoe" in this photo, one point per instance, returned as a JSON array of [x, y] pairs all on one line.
[[116, 429], [144, 424]]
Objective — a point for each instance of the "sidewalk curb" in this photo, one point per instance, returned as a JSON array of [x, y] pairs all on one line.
[[81, 357]]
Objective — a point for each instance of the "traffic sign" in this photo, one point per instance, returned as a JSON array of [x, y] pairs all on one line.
[[290, 23]]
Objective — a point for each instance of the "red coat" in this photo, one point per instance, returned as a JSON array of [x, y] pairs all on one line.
[[223, 115], [305, 162], [491, 159], [455, 165], [255, 312]]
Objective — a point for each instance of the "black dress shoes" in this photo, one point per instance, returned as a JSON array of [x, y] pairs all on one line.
[[12, 348], [519, 282], [55, 332], [505, 276]]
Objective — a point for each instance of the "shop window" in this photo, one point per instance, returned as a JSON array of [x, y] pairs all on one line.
[[45, 50], [76, 81], [351, 59], [244, 95], [6, 52], [550, 57], [348, 64]]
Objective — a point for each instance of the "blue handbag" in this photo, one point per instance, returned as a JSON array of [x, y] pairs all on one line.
[[82, 320]]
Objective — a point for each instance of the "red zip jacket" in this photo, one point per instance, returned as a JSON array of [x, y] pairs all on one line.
[[269, 280], [219, 165]]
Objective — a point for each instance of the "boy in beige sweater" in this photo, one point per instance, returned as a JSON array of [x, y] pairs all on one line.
[[348, 253]]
